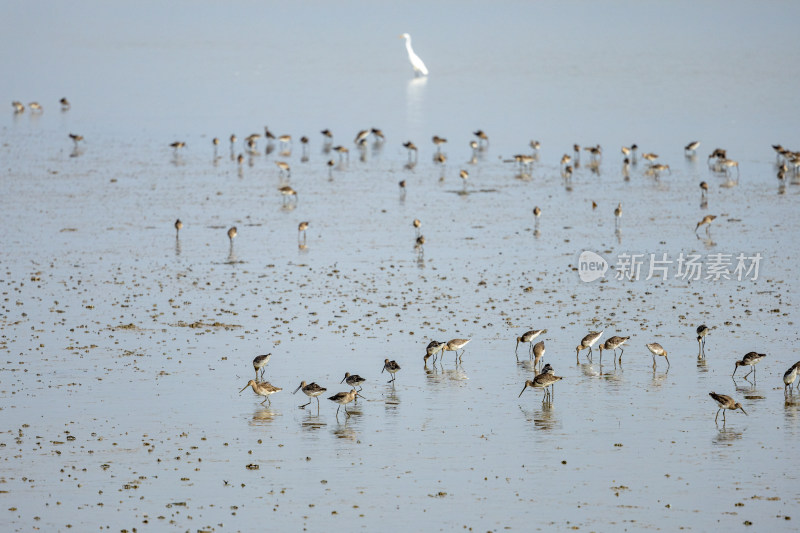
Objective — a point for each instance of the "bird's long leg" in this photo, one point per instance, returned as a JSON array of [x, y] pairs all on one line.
[[305, 404], [337, 412], [751, 371], [667, 358], [716, 417], [654, 361]]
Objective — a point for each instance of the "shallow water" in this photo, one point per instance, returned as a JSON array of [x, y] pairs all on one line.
[[99, 295]]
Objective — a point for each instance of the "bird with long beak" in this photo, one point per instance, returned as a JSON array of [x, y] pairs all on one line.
[[725, 402]]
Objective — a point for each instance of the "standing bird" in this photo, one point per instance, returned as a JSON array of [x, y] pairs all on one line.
[[259, 362], [454, 345], [702, 331], [749, 359], [301, 228], [392, 367], [538, 353], [707, 220], [612, 343], [541, 381], [65, 105], [232, 233], [789, 377], [417, 224], [703, 189], [312, 390], [725, 402], [528, 337], [353, 380], [343, 398], [263, 388], [657, 349], [537, 212], [432, 349], [618, 214], [419, 67], [587, 342], [464, 175], [76, 139], [690, 148], [178, 226]]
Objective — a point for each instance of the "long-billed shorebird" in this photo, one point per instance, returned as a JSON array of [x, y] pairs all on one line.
[[483, 139], [412, 149], [288, 193], [177, 145], [612, 343], [617, 214], [301, 229], [691, 148], [749, 359], [343, 398], [789, 377], [19, 107], [391, 367], [417, 224], [232, 233], [702, 331], [65, 105], [725, 402], [263, 388], [707, 220], [537, 212], [259, 362], [454, 345], [312, 390], [433, 348], [587, 342], [541, 381], [538, 353], [178, 227], [528, 337], [657, 349], [76, 139], [354, 380]]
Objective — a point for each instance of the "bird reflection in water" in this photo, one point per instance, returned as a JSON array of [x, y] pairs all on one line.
[[543, 417], [263, 416], [726, 436]]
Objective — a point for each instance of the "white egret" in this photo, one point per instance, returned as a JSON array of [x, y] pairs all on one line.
[[419, 67]]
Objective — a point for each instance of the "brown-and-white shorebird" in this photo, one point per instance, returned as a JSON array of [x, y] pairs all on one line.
[[691, 148], [288, 193], [417, 224], [749, 359], [391, 367], [19, 107], [433, 348], [177, 145], [702, 331], [263, 388], [353, 380], [657, 349], [232, 233], [76, 138], [178, 227], [343, 398], [725, 402], [541, 381], [528, 337], [454, 345], [284, 168], [312, 390], [259, 362], [538, 353], [65, 105], [612, 343], [789, 377], [301, 229], [617, 214], [707, 220], [483, 139], [587, 342]]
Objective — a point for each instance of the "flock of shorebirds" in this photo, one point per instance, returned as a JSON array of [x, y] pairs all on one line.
[[788, 163], [544, 375]]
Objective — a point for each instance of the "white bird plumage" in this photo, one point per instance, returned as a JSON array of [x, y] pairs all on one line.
[[419, 67]]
